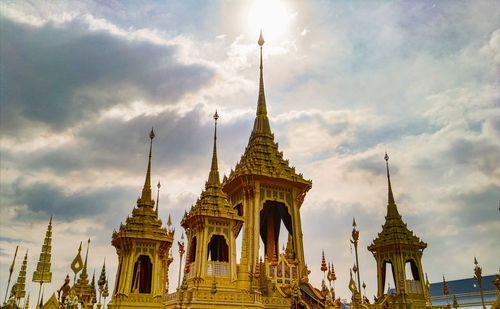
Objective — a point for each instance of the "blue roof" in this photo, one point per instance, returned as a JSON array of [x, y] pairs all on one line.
[[462, 286]]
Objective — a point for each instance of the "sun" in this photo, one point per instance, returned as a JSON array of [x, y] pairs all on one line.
[[272, 16]]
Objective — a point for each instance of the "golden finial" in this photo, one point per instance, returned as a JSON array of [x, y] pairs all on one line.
[[158, 197]]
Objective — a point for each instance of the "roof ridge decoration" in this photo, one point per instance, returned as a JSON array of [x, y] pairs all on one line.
[[394, 230], [262, 156]]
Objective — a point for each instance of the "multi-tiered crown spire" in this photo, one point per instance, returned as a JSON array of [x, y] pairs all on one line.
[[262, 156], [21, 279], [42, 274], [213, 177], [261, 124]]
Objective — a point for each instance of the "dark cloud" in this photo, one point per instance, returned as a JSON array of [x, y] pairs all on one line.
[[60, 75], [481, 154], [479, 207], [368, 135], [183, 141], [45, 199]]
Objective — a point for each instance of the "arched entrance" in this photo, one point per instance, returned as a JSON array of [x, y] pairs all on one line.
[[271, 216], [141, 282]]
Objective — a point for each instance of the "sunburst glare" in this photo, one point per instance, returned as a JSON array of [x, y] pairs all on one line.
[[272, 16]]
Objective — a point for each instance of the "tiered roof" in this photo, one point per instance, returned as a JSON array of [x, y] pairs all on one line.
[[144, 222], [394, 230], [212, 201], [262, 156]]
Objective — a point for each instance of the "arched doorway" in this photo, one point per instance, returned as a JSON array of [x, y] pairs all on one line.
[[271, 216], [141, 282]]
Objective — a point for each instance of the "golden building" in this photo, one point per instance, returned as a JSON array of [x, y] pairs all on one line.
[[143, 246], [398, 249], [260, 194]]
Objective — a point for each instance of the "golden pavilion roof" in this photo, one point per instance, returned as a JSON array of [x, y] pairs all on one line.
[[213, 201], [262, 156], [144, 222], [394, 231]]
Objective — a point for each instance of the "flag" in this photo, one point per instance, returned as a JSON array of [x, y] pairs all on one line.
[[77, 263]]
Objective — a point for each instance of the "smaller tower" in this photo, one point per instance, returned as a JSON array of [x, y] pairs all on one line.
[[142, 246], [398, 249], [211, 228]]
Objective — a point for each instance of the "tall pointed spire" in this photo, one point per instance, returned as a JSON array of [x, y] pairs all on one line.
[[213, 177], [146, 191], [261, 124], [84, 271], [392, 210]]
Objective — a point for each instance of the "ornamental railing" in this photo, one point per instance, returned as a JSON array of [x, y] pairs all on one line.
[[413, 286], [217, 268]]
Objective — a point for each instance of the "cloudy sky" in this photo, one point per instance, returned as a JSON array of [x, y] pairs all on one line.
[[81, 84]]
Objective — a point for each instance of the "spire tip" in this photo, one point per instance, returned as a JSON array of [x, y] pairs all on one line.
[[261, 39], [152, 133]]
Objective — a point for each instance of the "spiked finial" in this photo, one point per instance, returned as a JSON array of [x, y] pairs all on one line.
[[169, 222], [146, 190], [353, 222], [323, 262], [445, 287], [213, 177]]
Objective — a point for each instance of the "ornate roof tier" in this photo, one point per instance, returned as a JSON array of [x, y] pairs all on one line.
[[394, 230], [212, 201], [262, 157], [144, 222]]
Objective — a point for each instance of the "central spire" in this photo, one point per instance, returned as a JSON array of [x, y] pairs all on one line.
[[146, 190], [392, 210], [213, 177], [261, 124]]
